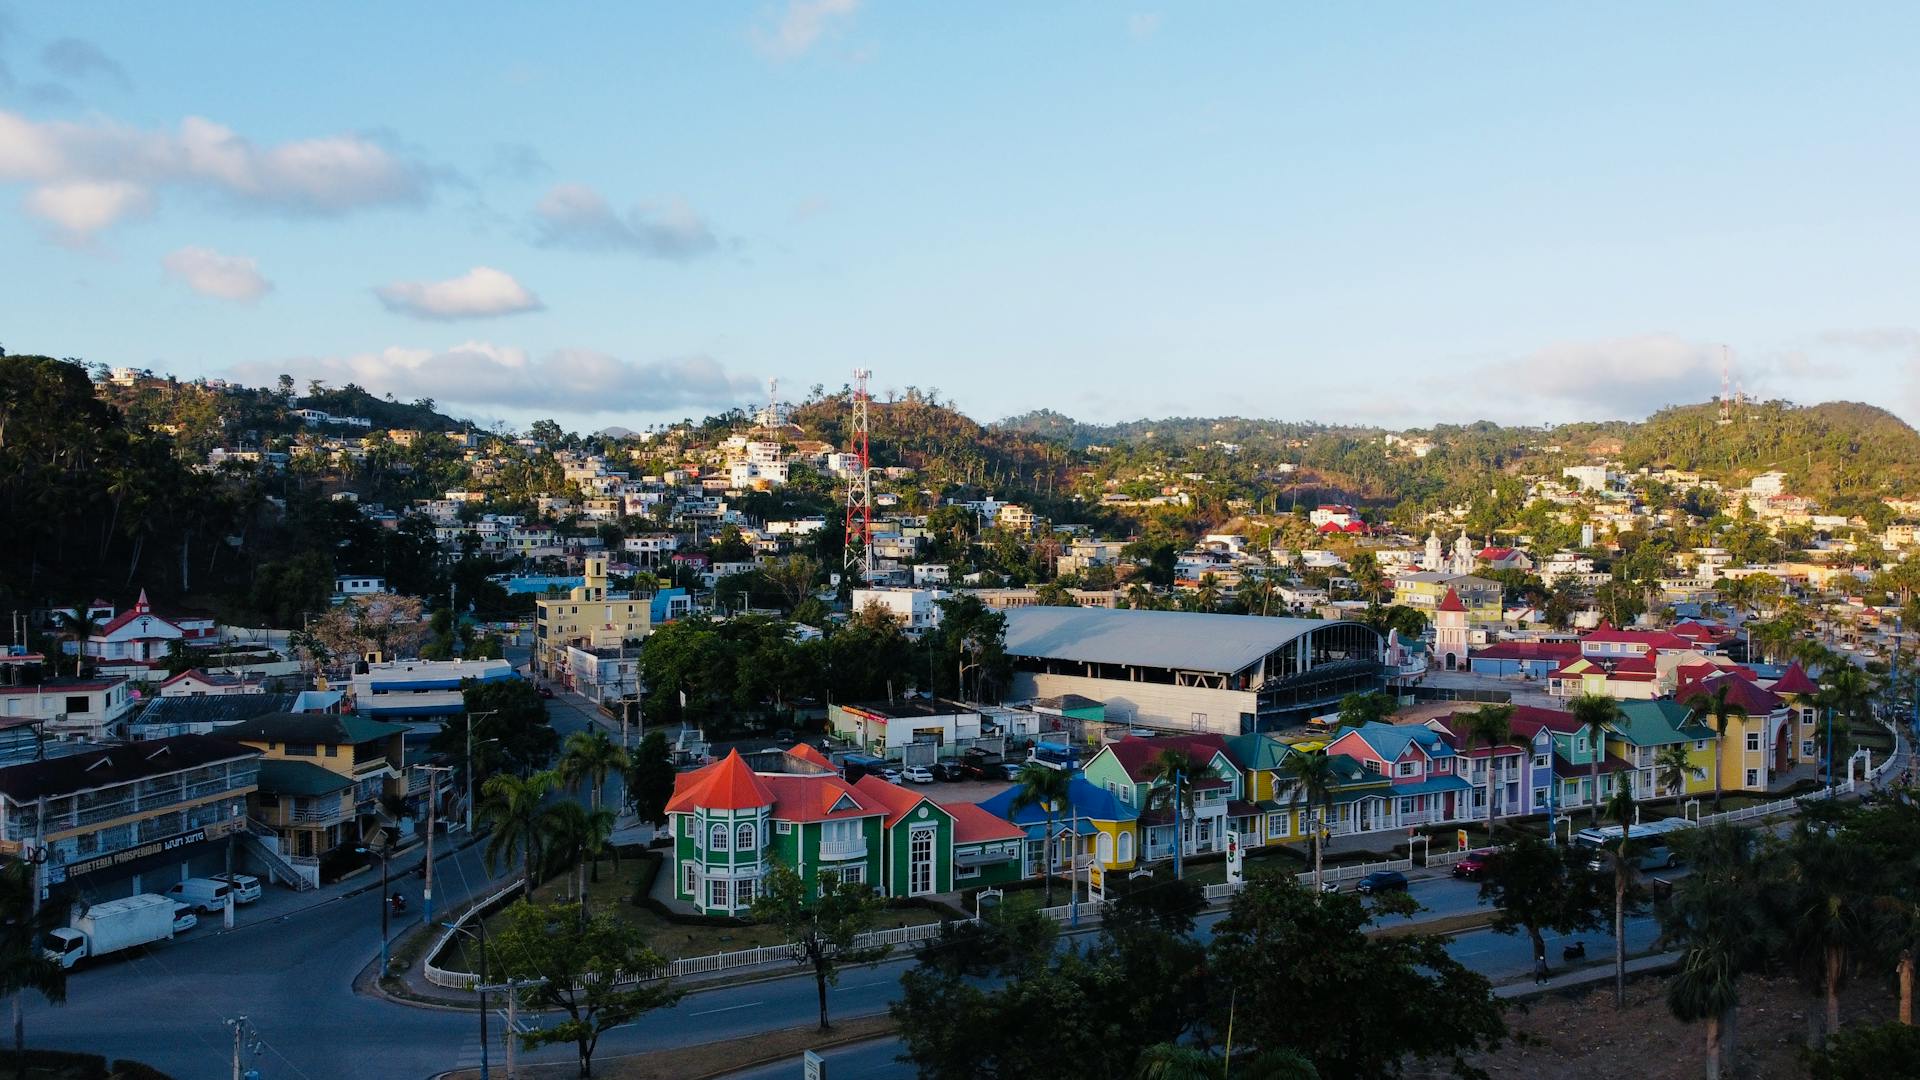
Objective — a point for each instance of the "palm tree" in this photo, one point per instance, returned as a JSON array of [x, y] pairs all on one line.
[[1670, 767], [514, 808], [1719, 714], [1206, 595], [77, 626], [589, 758], [23, 960], [1172, 773], [1140, 596], [1314, 783], [1621, 809], [1594, 712], [1716, 917], [1828, 913], [1491, 726], [575, 836], [1845, 696], [1049, 789]]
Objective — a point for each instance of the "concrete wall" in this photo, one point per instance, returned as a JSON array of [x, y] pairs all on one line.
[[1159, 705]]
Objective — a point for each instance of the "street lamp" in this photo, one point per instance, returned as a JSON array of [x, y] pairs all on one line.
[[480, 985], [386, 903], [472, 719]]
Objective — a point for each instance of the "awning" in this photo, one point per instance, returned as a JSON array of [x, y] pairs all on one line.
[[982, 858]]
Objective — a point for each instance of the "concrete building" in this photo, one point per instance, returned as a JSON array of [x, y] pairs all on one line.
[[128, 819], [403, 690], [915, 608], [70, 708], [1192, 671], [589, 616]]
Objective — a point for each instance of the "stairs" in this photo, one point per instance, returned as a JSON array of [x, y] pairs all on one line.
[[264, 844]]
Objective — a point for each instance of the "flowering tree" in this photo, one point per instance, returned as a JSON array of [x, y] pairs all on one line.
[[381, 623]]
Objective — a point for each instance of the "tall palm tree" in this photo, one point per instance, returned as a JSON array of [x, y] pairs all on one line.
[[1140, 596], [1049, 789], [1717, 713], [1670, 768], [1846, 694], [1620, 808], [1594, 712], [1717, 919], [23, 960], [1206, 595], [1172, 772], [589, 758], [77, 626], [1827, 913], [1314, 783], [575, 836], [514, 808], [1490, 726]]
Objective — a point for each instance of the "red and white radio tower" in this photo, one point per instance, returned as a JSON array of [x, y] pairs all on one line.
[[860, 485]]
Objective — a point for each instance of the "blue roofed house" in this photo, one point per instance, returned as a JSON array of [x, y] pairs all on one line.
[[1094, 824], [1422, 766]]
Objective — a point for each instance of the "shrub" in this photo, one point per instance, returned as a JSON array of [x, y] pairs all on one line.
[[137, 1070]]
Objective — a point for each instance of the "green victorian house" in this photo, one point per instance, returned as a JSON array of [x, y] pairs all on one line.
[[731, 823]]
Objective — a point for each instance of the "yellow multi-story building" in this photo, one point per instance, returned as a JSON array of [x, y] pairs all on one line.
[[1423, 590], [589, 617], [323, 776], [1643, 733]]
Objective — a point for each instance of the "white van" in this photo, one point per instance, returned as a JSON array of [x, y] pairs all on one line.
[[246, 887], [206, 894]]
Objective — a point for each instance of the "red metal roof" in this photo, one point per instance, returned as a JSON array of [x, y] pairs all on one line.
[[1528, 650], [1794, 681], [1135, 755], [727, 784], [897, 801], [1452, 601], [806, 752], [972, 825], [816, 797]]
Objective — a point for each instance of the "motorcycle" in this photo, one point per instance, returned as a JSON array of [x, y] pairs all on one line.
[[398, 902]]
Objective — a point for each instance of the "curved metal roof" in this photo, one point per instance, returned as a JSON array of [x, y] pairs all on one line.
[[1181, 640]]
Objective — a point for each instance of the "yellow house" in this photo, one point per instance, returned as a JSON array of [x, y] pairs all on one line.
[[323, 777], [1756, 749], [1424, 590], [1644, 730], [589, 617]]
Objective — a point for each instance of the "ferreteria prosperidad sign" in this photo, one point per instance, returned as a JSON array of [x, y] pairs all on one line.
[[140, 856]]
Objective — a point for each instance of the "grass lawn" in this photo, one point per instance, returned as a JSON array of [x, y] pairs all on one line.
[[614, 893]]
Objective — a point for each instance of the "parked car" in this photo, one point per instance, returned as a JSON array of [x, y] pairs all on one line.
[[546, 691], [1381, 881], [246, 887], [203, 894], [785, 736], [1011, 770], [948, 771], [891, 776], [184, 919], [919, 774], [1657, 857], [1471, 867]]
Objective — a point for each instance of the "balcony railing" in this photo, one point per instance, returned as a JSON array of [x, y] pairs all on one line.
[[843, 849]]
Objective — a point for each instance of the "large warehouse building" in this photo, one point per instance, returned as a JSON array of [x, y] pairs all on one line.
[[1192, 671]]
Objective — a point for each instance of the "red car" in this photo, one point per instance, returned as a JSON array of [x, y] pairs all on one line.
[[1471, 867]]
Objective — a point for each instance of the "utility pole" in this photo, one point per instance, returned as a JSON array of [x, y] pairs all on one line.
[[472, 718], [227, 914], [245, 1038], [512, 988], [433, 805]]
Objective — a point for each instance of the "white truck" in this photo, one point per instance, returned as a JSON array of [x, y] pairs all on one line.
[[112, 926]]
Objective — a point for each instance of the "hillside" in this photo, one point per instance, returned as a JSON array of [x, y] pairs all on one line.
[[1834, 449]]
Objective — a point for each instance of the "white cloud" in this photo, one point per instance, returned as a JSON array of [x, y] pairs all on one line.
[[800, 25], [576, 216], [327, 175], [209, 273], [479, 293], [1143, 25], [80, 208], [485, 375], [1617, 378]]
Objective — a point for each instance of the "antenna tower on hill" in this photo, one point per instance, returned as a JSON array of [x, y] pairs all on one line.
[[860, 484], [1726, 388]]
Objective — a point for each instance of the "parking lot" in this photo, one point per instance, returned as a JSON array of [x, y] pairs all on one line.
[[959, 791]]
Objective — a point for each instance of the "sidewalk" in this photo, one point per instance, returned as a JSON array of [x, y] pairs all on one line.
[[1585, 976]]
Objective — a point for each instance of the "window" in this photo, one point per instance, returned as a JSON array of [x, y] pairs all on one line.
[[1406, 806], [1539, 796], [1103, 849], [783, 827], [1125, 854], [1580, 745], [717, 838], [1372, 766], [302, 750], [743, 893], [717, 893], [1407, 768], [78, 705], [1753, 778], [333, 751], [1753, 740], [743, 839], [1700, 744], [1806, 748], [690, 879]]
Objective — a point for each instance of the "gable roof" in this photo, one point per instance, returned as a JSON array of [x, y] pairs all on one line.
[[1740, 691], [1657, 723], [300, 778], [974, 825], [1527, 650], [1451, 602], [321, 729], [805, 752], [1652, 639], [1084, 800], [213, 708], [817, 797], [1531, 718], [1258, 751], [897, 801], [1136, 755], [1390, 741], [1794, 680], [726, 784]]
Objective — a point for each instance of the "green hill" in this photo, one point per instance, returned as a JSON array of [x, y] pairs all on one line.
[[1832, 450]]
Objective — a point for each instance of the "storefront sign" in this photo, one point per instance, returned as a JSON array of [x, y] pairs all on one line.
[[140, 856]]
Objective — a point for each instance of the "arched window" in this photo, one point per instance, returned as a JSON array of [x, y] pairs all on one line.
[[717, 838], [1103, 849], [743, 838], [1126, 847]]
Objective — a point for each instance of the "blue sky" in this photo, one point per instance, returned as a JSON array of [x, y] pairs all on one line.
[[622, 214]]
